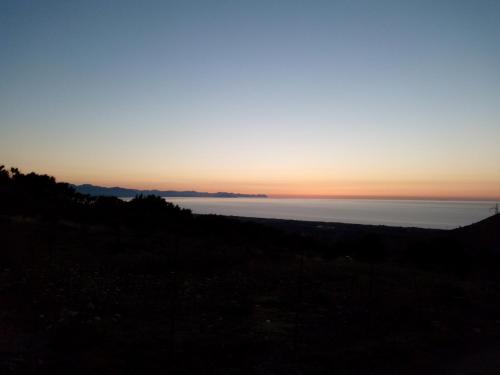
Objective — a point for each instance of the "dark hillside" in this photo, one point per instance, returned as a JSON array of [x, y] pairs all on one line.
[[482, 237], [102, 286]]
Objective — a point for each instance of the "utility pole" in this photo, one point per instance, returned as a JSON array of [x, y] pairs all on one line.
[[495, 209]]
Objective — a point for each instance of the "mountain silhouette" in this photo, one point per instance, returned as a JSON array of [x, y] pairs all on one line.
[[126, 193]]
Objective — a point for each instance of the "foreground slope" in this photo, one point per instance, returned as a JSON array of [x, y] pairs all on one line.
[[102, 286], [482, 237]]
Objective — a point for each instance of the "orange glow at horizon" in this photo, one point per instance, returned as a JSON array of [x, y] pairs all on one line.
[[450, 189], [361, 175]]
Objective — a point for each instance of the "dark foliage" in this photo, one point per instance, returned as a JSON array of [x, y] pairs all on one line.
[[40, 195]]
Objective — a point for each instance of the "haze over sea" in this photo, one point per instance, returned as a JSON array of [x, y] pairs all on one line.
[[438, 214]]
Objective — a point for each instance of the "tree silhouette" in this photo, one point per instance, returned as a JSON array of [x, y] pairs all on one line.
[[41, 195], [4, 176]]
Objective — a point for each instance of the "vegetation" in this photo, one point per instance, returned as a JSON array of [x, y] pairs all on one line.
[[102, 285]]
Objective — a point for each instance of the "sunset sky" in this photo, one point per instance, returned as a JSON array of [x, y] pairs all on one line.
[[330, 98]]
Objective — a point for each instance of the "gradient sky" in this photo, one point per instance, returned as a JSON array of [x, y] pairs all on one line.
[[386, 98]]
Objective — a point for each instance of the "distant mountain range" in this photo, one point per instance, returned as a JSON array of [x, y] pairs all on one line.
[[126, 193]]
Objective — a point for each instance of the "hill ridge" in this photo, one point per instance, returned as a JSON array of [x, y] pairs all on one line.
[[121, 192]]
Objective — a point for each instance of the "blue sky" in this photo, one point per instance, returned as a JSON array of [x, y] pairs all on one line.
[[282, 97]]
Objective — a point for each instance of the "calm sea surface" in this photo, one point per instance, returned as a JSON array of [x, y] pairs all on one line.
[[408, 213]]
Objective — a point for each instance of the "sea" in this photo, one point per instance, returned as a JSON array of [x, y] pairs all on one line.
[[435, 214]]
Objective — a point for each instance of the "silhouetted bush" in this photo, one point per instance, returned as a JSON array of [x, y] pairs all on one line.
[[40, 195]]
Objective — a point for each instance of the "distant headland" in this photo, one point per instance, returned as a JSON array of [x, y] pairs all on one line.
[[126, 193]]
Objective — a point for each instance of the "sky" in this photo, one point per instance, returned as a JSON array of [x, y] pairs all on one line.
[[388, 98]]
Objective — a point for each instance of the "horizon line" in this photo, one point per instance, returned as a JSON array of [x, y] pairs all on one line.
[[382, 197], [325, 196]]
